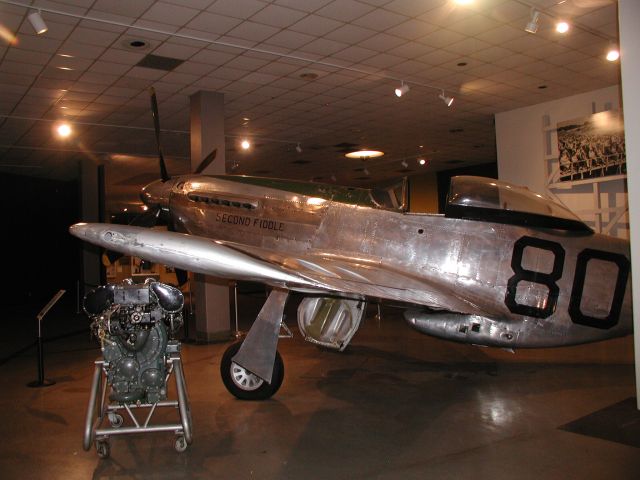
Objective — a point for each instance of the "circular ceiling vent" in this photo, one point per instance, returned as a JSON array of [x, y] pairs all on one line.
[[136, 44]]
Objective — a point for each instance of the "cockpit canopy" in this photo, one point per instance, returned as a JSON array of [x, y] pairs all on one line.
[[489, 200]]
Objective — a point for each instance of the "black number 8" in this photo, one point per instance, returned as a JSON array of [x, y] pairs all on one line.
[[547, 279]]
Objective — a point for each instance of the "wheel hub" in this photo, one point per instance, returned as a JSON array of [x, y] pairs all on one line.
[[245, 379]]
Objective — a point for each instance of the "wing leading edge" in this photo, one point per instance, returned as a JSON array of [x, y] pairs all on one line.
[[189, 252]]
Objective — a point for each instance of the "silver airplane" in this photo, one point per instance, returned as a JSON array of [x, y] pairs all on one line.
[[502, 267]]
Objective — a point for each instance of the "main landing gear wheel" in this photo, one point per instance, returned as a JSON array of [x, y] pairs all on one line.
[[245, 385]]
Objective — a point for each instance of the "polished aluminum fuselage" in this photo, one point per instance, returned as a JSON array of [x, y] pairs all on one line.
[[451, 272]]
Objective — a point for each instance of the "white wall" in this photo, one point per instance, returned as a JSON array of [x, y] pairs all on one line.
[[522, 141], [629, 19]]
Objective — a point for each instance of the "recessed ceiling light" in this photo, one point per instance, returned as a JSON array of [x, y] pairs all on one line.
[[65, 55], [562, 27], [422, 161], [542, 87], [613, 54], [245, 144], [64, 130], [364, 154], [64, 68]]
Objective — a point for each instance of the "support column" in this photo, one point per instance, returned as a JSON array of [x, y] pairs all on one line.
[[628, 20], [91, 210], [213, 320]]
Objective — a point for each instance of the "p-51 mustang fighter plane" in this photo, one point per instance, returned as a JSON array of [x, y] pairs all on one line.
[[502, 267]]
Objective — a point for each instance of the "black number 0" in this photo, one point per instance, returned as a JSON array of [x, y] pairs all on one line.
[[611, 319], [547, 279]]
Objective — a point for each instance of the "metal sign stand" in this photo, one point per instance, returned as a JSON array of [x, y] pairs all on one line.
[[41, 382]]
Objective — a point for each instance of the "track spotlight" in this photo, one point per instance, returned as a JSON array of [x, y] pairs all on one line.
[[613, 53], [447, 100], [298, 148], [532, 26], [35, 18], [402, 89]]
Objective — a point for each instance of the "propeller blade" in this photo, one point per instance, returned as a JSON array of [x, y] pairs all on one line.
[[156, 124], [206, 161], [182, 276]]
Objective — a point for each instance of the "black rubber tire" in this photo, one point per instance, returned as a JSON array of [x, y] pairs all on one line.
[[264, 391]]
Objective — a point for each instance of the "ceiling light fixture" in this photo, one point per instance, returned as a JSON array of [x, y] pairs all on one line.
[[447, 100], [613, 53], [245, 144], [532, 26], [402, 89], [64, 130], [562, 27], [422, 161], [35, 18], [364, 154]]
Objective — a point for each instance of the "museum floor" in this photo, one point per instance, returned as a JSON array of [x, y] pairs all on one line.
[[397, 404]]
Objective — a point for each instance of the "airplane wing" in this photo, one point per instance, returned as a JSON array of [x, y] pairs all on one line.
[[361, 277], [189, 252]]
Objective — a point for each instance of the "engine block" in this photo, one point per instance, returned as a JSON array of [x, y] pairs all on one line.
[[134, 323]]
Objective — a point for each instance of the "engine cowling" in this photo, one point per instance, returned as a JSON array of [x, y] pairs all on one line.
[[330, 322]]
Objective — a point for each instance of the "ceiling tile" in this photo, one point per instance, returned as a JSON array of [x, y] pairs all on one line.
[[237, 8], [345, 10], [253, 31], [468, 46], [382, 42], [412, 29], [169, 14], [350, 34], [278, 16], [93, 37], [412, 8], [306, 6], [441, 38], [292, 40], [354, 54], [213, 23], [123, 7], [323, 46], [382, 20], [173, 50]]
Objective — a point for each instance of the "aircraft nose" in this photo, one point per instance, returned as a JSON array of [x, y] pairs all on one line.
[[157, 193]]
